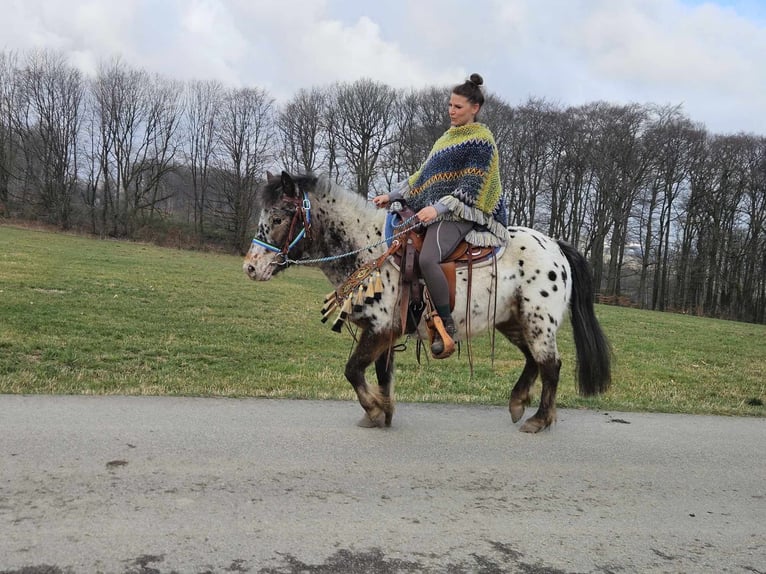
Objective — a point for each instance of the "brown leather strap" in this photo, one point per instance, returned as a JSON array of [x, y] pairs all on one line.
[[408, 265], [449, 269], [404, 303], [468, 312], [408, 279]]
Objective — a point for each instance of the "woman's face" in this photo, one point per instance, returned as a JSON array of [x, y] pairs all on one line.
[[461, 111]]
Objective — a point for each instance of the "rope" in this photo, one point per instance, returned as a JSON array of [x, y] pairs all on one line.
[[286, 260]]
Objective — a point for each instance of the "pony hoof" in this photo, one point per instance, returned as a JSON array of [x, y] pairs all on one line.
[[516, 408], [534, 425], [372, 422]]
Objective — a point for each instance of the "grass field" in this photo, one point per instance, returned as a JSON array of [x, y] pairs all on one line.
[[84, 316]]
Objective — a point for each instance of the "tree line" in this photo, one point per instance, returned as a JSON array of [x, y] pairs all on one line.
[[670, 216]]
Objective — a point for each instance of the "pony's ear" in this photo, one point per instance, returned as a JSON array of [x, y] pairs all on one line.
[[275, 179], [288, 185]]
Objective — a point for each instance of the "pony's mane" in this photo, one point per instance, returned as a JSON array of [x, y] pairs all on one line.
[[346, 196], [319, 185]]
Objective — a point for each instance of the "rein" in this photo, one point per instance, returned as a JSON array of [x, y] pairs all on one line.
[[305, 206]]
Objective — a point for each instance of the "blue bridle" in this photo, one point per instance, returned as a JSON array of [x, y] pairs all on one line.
[[303, 212]]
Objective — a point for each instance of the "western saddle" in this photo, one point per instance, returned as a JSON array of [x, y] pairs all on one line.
[[364, 285]]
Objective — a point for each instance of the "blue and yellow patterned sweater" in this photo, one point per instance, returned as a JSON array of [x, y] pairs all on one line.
[[461, 178]]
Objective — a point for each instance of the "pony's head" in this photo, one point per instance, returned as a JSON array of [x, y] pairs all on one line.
[[284, 226]]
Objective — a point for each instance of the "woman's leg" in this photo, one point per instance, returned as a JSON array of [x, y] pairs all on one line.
[[439, 243], [441, 240]]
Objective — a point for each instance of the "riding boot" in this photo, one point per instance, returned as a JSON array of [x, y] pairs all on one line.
[[438, 346]]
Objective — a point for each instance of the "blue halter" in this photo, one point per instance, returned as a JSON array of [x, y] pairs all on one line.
[[302, 211]]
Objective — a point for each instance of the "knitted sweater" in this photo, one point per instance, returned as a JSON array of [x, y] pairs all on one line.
[[461, 179]]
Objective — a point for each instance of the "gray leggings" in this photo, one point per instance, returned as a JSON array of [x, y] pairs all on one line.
[[441, 239]]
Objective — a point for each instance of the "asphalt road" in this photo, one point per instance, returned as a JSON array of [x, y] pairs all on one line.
[[159, 485]]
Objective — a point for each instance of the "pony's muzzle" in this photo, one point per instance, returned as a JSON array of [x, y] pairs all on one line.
[[259, 269]]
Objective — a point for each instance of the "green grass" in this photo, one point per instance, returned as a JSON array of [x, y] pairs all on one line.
[[83, 316]]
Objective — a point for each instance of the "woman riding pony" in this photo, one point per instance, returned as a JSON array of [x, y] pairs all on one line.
[[457, 194]]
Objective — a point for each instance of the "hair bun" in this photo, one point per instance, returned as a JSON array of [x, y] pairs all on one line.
[[476, 79]]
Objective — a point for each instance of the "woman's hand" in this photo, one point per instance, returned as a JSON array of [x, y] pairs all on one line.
[[380, 200], [427, 214]]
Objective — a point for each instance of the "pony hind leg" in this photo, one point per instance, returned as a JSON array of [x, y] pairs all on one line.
[[542, 358], [546, 412], [539, 321], [377, 406], [520, 395]]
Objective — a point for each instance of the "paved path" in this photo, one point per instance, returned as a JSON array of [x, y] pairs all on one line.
[[159, 485]]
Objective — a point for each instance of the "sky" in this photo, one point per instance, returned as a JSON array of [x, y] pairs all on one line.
[[707, 56]]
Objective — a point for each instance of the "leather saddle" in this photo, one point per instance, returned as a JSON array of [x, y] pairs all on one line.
[[406, 257]]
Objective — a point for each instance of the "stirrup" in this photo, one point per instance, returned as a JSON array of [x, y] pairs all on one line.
[[447, 340]]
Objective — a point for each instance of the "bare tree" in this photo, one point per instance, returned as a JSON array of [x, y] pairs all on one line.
[[164, 99], [557, 173], [432, 120], [396, 158], [203, 102], [690, 272], [301, 130], [752, 305], [9, 125], [573, 199], [246, 134], [331, 128], [669, 139], [619, 164], [363, 127], [419, 119], [532, 135], [717, 192], [53, 93], [90, 163], [500, 117], [139, 116], [107, 95]]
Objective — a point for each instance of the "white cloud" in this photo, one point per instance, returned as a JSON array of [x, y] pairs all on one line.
[[301, 44], [695, 47], [707, 56]]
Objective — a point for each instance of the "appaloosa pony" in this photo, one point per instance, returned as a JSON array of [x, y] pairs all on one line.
[[525, 295]]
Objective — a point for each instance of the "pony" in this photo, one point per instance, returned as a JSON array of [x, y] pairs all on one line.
[[532, 285]]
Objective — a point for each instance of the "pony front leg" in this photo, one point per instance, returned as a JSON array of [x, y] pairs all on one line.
[[378, 404], [384, 370]]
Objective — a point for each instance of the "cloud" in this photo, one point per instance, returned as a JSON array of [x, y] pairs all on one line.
[[302, 45], [700, 47], [705, 55]]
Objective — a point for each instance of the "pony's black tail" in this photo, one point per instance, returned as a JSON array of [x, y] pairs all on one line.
[[594, 355]]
